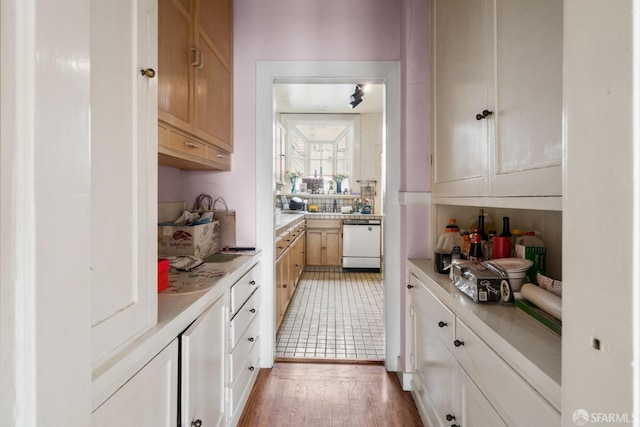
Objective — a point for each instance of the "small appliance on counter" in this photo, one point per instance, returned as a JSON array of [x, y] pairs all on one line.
[[482, 281]]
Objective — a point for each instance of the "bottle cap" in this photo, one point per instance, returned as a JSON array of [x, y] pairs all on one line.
[[516, 231], [530, 233]]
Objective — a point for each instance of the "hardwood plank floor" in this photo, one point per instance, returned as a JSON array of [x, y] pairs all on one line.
[[328, 394]]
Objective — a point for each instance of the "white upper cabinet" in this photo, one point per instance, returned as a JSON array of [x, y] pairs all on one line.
[[123, 173], [498, 98]]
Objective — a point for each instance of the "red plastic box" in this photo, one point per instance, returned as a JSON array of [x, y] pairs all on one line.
[[163, 274]]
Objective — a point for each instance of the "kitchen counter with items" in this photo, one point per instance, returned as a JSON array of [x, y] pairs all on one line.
[[189, 295], [285, 219], [525, 348]]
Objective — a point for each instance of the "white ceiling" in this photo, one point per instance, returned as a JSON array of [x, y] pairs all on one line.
[[326, 98]]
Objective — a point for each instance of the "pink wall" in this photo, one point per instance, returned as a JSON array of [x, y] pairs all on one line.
[[325, 30]]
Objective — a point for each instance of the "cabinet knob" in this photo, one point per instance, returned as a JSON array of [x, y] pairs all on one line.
[[284, 286], [458, 343], [196, 423], [253, 282], [148, 72], [191, 144], [251, 339], [455, 425], [484, 114], [253, 310], [409, 286], [251, 368], [450, 417], [442, 325]]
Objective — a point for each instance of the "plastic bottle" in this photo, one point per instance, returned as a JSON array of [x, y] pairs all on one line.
[[515, 234], [466, 244], [487, 247], [531, 247], [444, 248]]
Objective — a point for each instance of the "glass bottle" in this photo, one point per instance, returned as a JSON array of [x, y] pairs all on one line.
[[487, 248], [475, 251], [505, 227], [483, 234]]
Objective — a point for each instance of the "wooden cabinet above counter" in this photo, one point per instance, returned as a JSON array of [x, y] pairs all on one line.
[[195, 97]]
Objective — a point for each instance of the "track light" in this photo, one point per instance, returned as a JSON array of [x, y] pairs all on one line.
[[356, 97]]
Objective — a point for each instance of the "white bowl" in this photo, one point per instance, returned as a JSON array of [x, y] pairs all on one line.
[[516, 278], [513, 264]]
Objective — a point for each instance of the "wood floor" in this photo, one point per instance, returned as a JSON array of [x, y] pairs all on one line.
[[328, 394]]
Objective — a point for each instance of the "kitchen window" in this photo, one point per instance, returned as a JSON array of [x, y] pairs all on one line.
[[320, 145]]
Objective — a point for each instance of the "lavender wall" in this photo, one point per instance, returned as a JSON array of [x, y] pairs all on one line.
[[311, 30]]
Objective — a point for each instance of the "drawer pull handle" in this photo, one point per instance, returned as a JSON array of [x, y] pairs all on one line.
[[251, 339], [221, 156], [280, 247], [409, 286], [251, 368], [284, 286], [484, 115], [196, 423], [455, 425], [253, 282], [450, 417], [191, 144], [458, 343], [442, 325], [253, 310], [297, 265]]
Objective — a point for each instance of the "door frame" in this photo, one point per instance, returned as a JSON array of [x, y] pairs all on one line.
[[338, 72]]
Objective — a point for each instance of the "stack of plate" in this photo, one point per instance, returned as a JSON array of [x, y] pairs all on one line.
[[516, 269]]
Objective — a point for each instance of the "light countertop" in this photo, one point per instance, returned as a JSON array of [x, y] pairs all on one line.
[[286, 220], [529, 347], [176, 311]]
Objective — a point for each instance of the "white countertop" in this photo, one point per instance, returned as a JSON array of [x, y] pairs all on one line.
[[176, 311], [529, 347]]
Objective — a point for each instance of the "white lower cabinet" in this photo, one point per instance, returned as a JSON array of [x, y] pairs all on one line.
[[203, 368], [148, 399], [244, 349], [458, 380]]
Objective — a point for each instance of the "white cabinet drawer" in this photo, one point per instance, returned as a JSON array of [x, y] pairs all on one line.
[[243, 288], [243, 318], [239, 390], [516, 401], [436, 314], [243, 348]]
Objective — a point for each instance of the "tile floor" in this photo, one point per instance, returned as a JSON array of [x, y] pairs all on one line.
[[334, 315]]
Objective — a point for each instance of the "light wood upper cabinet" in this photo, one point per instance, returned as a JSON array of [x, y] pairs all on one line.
[[195, 83], [504, 58]]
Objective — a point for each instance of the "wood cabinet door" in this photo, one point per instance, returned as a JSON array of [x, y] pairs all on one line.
[[123, 203], [333, 247], [176, 60], [213, 74], [463, 87], [314, 247], [203, 368], [148, 399]]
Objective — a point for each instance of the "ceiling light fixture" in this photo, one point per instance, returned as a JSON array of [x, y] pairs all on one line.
[[356, 97]]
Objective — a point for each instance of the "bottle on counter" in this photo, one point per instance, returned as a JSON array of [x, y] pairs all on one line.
[[483, 234], [505, 227], [487, 247], [475, 250], [444, 248], [515, 234], [335, 205], [466, 244], [529, 246]]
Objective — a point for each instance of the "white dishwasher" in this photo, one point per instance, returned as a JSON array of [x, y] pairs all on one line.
[[361, 244]]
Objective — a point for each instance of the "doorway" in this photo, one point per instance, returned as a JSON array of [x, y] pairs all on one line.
[[381, 72]]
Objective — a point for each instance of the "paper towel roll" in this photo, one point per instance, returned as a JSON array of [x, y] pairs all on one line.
[[547, 301]]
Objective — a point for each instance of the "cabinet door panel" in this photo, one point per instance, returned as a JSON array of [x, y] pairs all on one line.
[[463, 73], [474, 408], [202, 364], [314, 247], [215, 21], [333, 254], [529, 89], [175, 40], [148, 399], [213, 98], [123, 204]]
